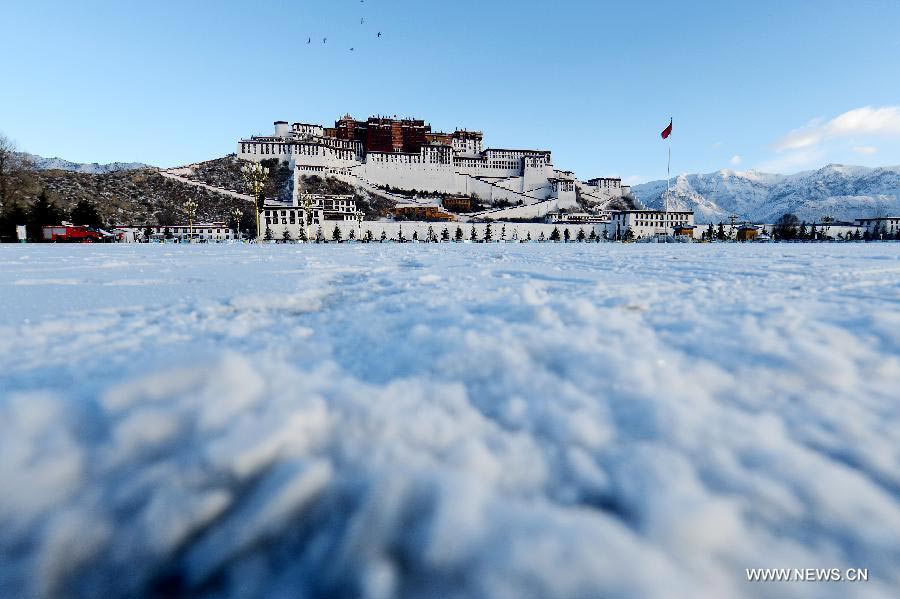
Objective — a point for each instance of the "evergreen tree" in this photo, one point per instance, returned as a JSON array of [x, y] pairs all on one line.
[[286, 236], [85, 213], [581, 237], [415, 236], [431, 236], [710, 233], [554, 235], [302, 237], [541, 238], [474, 235], [503, 233], [459, 234], [786, 227], [566, 235], [720, 234], [445, 234], [629, 234], [488, 235], [593, 235], [528, 236], [320, 235], [268, 236], [336, 234], [352, 235], [368, 235], [43, 212], [383, 236]]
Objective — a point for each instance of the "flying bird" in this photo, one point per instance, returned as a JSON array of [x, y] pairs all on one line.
[[351, 49], [309, 41], [324, 40], [379, 34]]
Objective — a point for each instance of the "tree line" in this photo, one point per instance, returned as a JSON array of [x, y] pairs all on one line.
[[790, 228], [431, 236], [17, 183]]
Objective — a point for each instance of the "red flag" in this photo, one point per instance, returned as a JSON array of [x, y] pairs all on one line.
[[667, 131]]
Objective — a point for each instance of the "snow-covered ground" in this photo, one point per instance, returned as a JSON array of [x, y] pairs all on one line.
[[448, 421]]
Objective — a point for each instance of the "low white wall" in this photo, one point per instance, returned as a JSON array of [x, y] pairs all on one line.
[[392, 229]]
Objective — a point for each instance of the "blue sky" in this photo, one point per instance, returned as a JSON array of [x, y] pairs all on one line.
[[750, 85]]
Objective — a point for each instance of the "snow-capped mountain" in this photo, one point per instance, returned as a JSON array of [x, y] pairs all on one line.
[[48, 164], [842, 192]]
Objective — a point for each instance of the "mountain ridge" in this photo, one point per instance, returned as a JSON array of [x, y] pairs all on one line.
[[843, 192], [42, 163]]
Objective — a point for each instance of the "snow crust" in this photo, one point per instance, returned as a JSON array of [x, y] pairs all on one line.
[[501, 420]]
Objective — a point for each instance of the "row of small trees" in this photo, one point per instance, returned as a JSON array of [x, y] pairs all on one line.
[[881, 235], [790, 228], [432, 237]]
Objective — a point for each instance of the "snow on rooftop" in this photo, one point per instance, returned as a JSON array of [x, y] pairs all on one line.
[[554, 420]]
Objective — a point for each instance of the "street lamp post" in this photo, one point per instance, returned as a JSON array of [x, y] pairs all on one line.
[[255, 177], [190, 207], [237, 214], [307, 213], [359, 220]]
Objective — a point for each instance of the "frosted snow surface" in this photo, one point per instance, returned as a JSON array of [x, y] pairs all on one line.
[[448, 421]]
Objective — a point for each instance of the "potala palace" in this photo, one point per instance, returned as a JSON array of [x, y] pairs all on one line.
[[406, 154]]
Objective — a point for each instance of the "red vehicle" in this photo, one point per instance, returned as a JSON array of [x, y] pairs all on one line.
[[71, 234]]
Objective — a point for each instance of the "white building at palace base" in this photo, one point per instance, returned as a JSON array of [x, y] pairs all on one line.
[[324, 210], [184, 232], [406, 154], [647, 223], [887, 226]]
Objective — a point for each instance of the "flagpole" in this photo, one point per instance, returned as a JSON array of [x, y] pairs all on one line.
[[669, 171], [668, 177]]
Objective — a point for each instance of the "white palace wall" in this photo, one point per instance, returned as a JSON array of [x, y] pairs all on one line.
[[409, 175]]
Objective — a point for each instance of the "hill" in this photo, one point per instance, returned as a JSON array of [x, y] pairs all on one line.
[[842, 192], [136, 196], [225, 173]]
